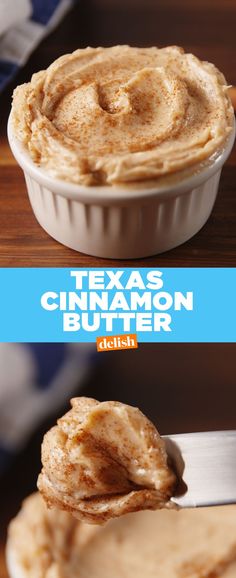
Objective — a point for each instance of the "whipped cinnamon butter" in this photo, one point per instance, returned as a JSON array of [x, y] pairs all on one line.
[[198, 543], [103, 460], [123, 114]]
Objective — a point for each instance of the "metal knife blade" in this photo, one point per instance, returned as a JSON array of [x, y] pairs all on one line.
[[206, 462]]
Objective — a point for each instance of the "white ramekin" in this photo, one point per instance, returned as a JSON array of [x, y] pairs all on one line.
[[116, 222]]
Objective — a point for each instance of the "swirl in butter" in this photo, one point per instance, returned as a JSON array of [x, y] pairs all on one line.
[[123, 114], [103, 460]]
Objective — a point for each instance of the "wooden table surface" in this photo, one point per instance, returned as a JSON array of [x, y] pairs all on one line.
[[205, 28]]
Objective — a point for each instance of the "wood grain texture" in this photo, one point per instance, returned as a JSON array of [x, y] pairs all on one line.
[[210, 34]]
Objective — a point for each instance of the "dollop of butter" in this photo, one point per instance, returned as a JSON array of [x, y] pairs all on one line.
[[103, 460]]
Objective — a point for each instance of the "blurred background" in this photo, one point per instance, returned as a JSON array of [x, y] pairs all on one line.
[[204, 27]]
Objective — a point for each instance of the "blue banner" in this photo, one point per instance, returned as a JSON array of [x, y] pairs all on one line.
[[159, 305]]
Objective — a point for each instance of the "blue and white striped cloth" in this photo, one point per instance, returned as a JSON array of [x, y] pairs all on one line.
[[36, 379], [23, 24]]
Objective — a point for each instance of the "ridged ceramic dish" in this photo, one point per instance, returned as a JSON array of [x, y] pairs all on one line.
[[116, 222]]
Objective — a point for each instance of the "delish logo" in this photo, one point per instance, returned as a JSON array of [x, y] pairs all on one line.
[[113, 342]]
